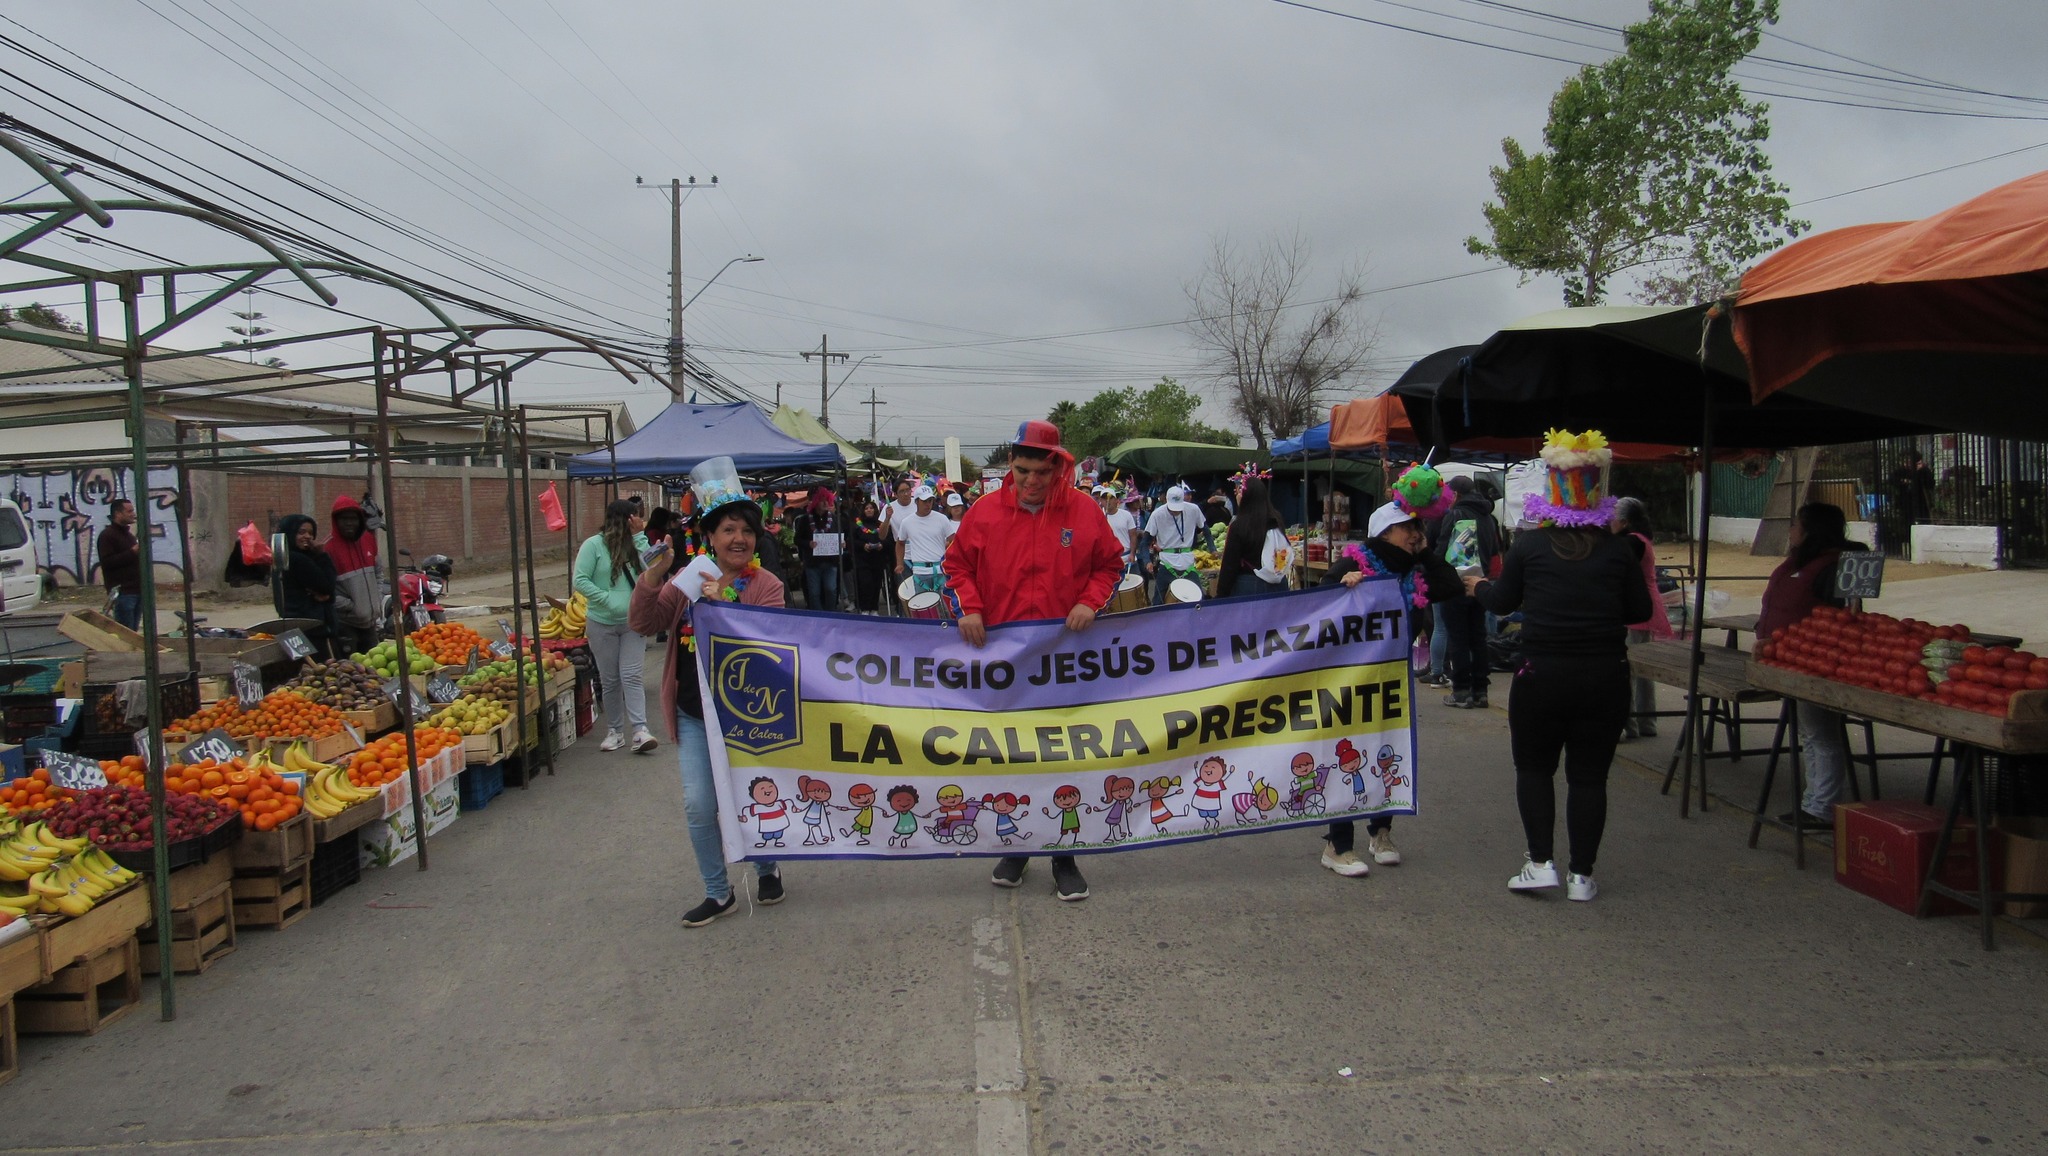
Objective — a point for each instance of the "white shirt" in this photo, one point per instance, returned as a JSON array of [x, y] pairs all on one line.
[[1125, 527], [894, 510], [1275, 557], [1174, 526], [924, 536]]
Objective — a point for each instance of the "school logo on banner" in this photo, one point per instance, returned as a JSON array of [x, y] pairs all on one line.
[[755, 685]]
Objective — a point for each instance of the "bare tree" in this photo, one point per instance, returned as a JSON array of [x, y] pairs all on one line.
[[1273, 377]]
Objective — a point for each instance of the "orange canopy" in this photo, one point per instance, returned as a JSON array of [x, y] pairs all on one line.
[[1969, 281], [1382, 421]]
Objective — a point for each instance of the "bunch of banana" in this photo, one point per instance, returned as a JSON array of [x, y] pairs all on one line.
[[31, 851], [74, 885], [565, 621], [327, 792]]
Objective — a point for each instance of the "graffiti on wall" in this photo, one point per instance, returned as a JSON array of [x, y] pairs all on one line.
[[67, 509]]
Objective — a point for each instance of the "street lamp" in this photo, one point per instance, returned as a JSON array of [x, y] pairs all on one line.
[[675, 338], [746, 260]]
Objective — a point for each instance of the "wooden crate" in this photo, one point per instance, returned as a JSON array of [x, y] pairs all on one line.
[[2024, 731], [280, 849], [85, 996], [273, 902], [321, 750], [189, 884], [373, 722], [10, 1054], [366, 812], [201, 935], [21, 964], [492, 745], [96, 631], [111, 922]]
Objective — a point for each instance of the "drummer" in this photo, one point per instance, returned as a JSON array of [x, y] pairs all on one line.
[[921, 542], [1121, 522], [1174, 530]]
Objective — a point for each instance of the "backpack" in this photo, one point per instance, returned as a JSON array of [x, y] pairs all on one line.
[[1464, 546]]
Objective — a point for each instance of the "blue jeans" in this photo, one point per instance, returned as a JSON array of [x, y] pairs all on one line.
[[821, 585], [1439, 643], [128, 610], [700, 807]]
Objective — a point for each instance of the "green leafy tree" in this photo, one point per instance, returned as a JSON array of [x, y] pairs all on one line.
[[1652, 161], [1164, 410], [41, 316]]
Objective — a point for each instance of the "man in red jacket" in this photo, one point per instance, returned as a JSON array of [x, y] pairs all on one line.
[[1036, 548]]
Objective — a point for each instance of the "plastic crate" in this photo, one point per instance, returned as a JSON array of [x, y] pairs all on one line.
[[177, 697], [26, 716], [478, 785], [337, 863], [185, 852]]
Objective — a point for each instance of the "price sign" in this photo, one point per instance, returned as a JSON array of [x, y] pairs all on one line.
[[248, 684], [421, 617], [501, 650], [143, 747], [74, 772], [215, 745], [296, 644], [355, 736], [1859, 574], [469, 666], [395, 688], [442, 690]]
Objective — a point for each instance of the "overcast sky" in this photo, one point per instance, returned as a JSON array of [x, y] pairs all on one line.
[[1000, 202]]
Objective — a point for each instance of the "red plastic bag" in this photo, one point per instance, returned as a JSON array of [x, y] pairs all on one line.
[[551, 509], [255, 546]]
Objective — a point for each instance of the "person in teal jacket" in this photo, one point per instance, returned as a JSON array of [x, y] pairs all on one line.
[[606, 567]]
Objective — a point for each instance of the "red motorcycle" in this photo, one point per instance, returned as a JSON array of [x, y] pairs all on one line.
[[420, 589]]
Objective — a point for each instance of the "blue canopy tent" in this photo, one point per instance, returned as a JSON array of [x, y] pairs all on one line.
[[686, 433]]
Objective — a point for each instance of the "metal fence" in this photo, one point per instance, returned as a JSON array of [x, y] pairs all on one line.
[[1970, 480]]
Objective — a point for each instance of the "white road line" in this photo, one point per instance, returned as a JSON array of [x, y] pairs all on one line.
[[1002, 1118]]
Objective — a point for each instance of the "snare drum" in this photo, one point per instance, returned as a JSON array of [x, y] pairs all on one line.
[[1130, 595], [906, 590], [925, 605], [1183, 590]]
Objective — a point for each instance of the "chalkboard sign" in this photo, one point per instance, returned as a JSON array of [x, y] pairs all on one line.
[[501, 650], [421, 617], [1859, 574], [469, 666], [505, 627], [394, 688], [248, 685], [214, 744], [296, 644], [442, 690], [74, 772], [143, 747]]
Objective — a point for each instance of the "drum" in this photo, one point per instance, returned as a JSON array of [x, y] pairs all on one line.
[[1130, 595], [925, 605], [906, 590], [1183, 590]]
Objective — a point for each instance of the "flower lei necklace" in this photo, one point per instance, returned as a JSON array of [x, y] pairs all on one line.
[[1371, 568], [686, 634]]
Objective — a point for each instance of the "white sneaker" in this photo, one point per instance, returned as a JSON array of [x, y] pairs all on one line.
[[643, 743], [613, 740], [1580, 888], [1535, 876], [1347, 864], [1383, 850]]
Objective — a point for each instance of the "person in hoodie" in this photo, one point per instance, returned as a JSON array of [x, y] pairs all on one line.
[[352, 547], [1469, 540], [1174, 532], [304, 580], [1395, 549], [1036, 548], [607, 566]]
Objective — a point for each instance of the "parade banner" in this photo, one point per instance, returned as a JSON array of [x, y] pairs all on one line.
[[850, 737]]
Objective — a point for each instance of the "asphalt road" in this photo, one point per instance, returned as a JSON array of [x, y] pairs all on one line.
[[534, 993]]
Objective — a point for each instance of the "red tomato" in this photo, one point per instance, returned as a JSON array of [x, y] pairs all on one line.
[[2018, 661], [2038, 666], [1974, 654], [2014, 680], [1969, 692], [2037, 681]]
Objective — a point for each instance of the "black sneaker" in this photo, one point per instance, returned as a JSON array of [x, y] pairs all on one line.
[[1799, 818], [709, 910], [1459, 701], [1480, 703], [1009, 872], [1066, 880], [768, 890]]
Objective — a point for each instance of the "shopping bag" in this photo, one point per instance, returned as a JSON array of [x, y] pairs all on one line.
[[551, 509], [255, 547]]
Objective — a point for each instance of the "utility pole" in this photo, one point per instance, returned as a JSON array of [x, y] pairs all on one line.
[[778, 395], [676, 189], [871, 403], [825, 357]]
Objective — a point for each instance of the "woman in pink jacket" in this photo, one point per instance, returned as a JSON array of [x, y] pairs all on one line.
[[659, 603], [1632, 518]]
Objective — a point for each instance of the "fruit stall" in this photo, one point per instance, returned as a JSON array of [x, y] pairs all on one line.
[[1981, 703]]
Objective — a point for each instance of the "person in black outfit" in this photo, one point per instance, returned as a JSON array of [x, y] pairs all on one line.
[[121, 563], [305, 580], [1577, 589], [871, 559], [1913, 482], [1469, 540]]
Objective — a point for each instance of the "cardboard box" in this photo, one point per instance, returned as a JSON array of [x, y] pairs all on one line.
[[393, 839], [71, 679], [2026, 863], [1883, 850], [561, 717], [442, 768]]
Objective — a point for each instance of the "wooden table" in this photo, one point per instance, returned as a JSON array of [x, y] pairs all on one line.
[[1972, 735], [1734, 624], [1723, 684]]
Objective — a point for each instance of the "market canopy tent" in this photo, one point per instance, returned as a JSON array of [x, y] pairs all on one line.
[[1157, 457], [1634, 372], [799, 424], [687, 433], [1942, 321]]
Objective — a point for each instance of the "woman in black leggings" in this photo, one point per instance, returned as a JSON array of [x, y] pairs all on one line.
[[1577, 589]]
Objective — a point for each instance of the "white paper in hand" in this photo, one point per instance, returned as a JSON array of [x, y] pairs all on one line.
[[690, 579]]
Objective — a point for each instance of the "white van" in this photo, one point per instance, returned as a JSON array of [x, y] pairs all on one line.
[[21, 578]]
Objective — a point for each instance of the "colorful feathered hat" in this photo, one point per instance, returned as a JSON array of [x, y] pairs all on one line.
[[1577, 492]]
